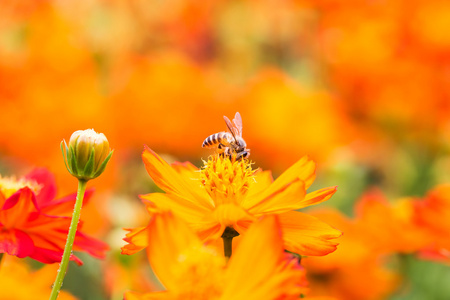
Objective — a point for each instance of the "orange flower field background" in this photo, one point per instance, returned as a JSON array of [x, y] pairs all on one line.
[[361, 89]]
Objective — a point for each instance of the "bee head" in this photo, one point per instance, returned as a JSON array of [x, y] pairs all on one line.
[[240, 143]]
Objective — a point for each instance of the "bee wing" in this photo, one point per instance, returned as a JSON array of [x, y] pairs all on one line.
[[233, 129], [238, 123]]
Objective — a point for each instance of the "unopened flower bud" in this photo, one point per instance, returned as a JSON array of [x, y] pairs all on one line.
[[87, 154]]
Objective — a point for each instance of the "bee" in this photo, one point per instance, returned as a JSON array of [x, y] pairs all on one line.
[[229, 143]]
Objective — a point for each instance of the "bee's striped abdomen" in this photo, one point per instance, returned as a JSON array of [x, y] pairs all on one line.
[[215, 139]]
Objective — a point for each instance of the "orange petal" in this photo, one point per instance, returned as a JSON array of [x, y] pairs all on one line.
[[263, 180], [186, 169], [317, 197], [148, 296], [133, 296], [281, 200], [18, 281], [197, 217], [168, 238], [307, 235], [186, 209], [208, 231], [304, 169], [137, 240], [271, 199], [229, 214], [168, 179], [262, 278]]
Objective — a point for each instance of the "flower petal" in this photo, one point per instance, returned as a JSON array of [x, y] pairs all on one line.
[[64, 206], [92, 246], [197, 217], [317, 197], [304, 169], [150, 296], [188, 210], [18, 207], [25, 198], [263, 179], [16, 242], [264, 277], [307, 235], [2, 200], [281, 200], [231, 215], [20, 282], [47, 182], [286, 192], [168, 238], [48, 256], [186, 169], [169, 180], [137, 240]]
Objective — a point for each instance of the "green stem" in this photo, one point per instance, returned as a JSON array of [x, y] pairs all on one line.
[[70, 239], [1, 257], [227, 236]]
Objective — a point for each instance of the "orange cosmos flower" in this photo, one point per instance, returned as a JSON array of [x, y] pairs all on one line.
[[226, 193], [389, 226], [433, 215], [356, 271], [33, 223], [191, 270], [18, 283]]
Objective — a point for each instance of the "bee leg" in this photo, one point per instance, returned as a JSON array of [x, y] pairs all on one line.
[[242, 154], [227, 152], [222, 149]]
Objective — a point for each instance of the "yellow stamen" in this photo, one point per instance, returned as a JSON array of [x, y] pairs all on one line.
[[10, 185], [227, 180]]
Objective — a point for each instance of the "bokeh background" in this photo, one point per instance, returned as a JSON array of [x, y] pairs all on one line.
[[363, 87]]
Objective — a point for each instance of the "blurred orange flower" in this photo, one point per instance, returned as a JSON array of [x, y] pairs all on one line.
[[33, 223], [191, 270], [390, 226], [433, 214], [226, 193], [380, 54], [356, 270], [17, 282], [379, 230], [292, 118]]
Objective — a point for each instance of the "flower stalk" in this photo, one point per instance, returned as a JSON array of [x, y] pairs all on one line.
[[227, 237], [70, 240]]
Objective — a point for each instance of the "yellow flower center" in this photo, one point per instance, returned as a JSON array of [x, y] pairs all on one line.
[[227, 180], [200, 274], [10, 185]]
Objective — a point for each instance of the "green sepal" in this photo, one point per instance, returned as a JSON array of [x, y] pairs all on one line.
[[89, 168], [103, 165], [64, 155], [67, 151], [72, 161]]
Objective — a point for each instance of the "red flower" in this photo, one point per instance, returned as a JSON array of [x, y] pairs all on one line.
[[33, 223]]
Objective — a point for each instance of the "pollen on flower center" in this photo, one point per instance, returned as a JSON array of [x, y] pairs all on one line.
[[10, 185], [226, 180]]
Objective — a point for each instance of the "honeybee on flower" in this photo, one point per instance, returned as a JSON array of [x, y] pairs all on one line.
[[229, 143]]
